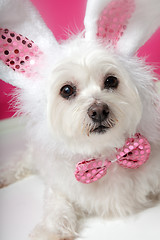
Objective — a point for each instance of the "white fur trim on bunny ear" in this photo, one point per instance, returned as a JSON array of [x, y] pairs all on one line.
[[22, 20], [144, 22], [126, 24], [22, 17]]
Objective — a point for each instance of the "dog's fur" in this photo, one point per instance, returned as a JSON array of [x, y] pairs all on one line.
[[61, 136]]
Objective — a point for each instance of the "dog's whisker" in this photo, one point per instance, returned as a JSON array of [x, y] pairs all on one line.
[[83, 127], [112, 121], [88, 129], [92, 128], [109, 123]]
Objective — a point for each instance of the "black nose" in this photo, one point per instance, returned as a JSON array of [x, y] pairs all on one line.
[[98, 112]]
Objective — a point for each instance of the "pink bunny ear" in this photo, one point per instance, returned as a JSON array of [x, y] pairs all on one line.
[[26, 63], [125, 24], [18, 52], [113, 20]]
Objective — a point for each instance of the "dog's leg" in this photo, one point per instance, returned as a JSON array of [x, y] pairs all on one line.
[[59, 220], [20, 167]]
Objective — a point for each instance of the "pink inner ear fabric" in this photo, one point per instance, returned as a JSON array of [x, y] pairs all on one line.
[[114, 19], [18, 52]]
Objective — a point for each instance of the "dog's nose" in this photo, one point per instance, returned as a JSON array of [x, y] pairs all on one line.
[[98, 112]]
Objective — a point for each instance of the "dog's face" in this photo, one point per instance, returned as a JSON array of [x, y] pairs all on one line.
[[93, 104]]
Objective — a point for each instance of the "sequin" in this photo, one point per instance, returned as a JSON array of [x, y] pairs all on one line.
[[23, 41], [126, 150], [6, 52], [27, 58], [9, 40], [18, 38], [135, 153], [131, 147], [22, 62], [29, 45], [12, 62], [12, 34], [6, 30], [16, 51]]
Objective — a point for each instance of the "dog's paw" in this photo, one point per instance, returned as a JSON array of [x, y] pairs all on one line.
[[41, 233], [6, 178], [153, 196], [48, 236], [19, 168]]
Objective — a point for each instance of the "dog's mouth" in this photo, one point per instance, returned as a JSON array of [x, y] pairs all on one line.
[[103, 127], [100, 129]]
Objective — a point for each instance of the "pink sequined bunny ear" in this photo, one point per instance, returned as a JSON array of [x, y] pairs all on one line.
[[124, 24], [114, 19], [19, 53], [26, 44]]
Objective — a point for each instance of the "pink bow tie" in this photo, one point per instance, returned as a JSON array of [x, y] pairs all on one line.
[[132, 155]]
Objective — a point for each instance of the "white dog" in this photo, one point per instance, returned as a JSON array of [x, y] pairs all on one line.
[[92, 109]]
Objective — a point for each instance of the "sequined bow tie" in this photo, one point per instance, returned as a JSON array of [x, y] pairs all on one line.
[[132, 155]]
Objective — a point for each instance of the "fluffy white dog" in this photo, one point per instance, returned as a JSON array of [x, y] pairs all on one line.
[[92, 109]]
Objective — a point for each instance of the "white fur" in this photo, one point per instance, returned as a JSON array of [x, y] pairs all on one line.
[[58, 130], [59, 134]]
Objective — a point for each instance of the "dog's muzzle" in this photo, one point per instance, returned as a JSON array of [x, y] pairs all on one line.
[[99, 113]]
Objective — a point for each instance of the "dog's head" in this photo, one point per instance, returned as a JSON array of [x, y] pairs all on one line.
[[96, 96], [93, 102]]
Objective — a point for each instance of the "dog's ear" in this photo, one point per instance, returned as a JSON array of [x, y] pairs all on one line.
[[25, 43], [126, 24]]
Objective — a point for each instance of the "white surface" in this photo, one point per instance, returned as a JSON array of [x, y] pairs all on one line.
[[21, 208], [21, 205], [12, 140]]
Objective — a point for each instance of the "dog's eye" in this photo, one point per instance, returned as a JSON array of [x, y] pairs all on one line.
[[111, 82], [67, 91]]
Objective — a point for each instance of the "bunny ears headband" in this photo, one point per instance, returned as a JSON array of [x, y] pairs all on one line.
[[26, 44]]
